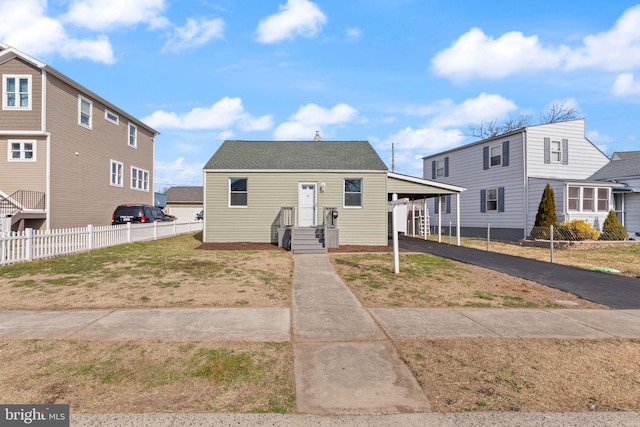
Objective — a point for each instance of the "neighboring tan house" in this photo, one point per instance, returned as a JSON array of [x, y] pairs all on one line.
[[506, 175], [71, 156], [624, 169], [184, 202], [280, 191]]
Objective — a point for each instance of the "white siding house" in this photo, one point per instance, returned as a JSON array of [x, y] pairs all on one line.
[[505, 176]]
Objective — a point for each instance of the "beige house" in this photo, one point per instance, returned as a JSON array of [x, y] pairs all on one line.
[[304, 195], [71, 156]]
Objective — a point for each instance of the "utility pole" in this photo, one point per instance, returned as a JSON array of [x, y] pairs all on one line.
[[393, 158]]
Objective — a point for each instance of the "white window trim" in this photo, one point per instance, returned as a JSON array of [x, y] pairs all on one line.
[[440, 168], [115, 121], [111, 180], [229, 193], [135, 136], [344, 193], [134, 175], [5, 103], [499, 148], [22, 142], [80, 99], [595, 199]]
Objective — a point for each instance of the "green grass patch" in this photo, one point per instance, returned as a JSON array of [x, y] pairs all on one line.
[[224, 367]]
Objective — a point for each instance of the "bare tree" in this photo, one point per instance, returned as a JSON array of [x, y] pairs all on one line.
[[559, 111], [490, 129]]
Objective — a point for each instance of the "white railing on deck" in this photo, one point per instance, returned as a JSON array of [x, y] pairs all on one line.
[[29, 245]]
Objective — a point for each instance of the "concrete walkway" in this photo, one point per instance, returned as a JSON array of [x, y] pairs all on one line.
[[344, 363], [347, 371]]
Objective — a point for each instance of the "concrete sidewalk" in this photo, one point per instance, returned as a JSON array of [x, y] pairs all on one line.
[[334, 316]]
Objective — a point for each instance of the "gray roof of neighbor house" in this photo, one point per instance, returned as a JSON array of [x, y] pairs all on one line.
[[621, 155], [619, 169], [184, 194], [296, 155]]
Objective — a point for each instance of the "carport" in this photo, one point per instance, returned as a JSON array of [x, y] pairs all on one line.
[[417, 189]]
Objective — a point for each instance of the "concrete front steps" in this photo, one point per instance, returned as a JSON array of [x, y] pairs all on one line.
[[307, 240]]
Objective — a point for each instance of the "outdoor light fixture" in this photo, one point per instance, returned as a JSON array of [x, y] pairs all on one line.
[[322, 187]]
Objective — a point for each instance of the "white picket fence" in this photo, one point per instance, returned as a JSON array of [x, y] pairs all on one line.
[[30, 244]]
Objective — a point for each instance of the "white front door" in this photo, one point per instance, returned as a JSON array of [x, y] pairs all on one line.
[[306, 204]]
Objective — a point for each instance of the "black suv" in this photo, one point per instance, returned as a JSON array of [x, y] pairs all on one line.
[[139, 213]]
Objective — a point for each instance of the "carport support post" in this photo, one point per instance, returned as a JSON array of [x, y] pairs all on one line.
[[439, 218], [394, 216], [458, 218]]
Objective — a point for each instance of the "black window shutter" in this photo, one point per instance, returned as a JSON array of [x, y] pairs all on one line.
[[448, 203], [483, 200], [433, 169], [547, 150], [565, 151], [485, 158], [436, 204], [500, 199], [446, 166], [505, 153]]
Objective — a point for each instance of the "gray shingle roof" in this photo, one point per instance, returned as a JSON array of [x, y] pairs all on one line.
[[296, 155], [619, 169], [184, 194], [621, 155]]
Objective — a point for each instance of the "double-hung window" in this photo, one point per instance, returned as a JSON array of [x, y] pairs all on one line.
[[85, 113], [16, 91], [556, 151], [139, 179], [492, 200], [238, 192], [116, 173], [133, 135], [496, 155], [21, 151], [353, 193]]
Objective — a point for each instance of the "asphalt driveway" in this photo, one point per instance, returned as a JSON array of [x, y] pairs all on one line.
[[618, 292]]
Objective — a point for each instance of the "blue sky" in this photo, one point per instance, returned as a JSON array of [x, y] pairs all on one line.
[[416, 73]]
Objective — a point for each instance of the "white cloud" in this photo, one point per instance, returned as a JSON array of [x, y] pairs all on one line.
[[195, 33], [353, 34], [615, 50], [176, 172], [224, 114], [597, 138], [484, 108], [310, 118], [626, 85], [426, 140], [101, 15], [476, 55], [296, 18], [31, 31]]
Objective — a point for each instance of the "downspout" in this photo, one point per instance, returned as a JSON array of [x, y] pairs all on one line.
[[43, 124]]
